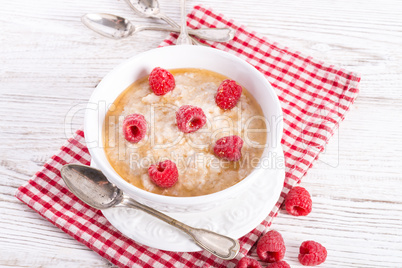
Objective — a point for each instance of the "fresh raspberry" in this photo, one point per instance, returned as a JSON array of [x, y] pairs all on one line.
[[298, 201], [248, 263], [229, 148], [134, 127], [279, 264], [271, 247], [190, 118], [164, 174], [228, 94], [161, 81], [312, 253]]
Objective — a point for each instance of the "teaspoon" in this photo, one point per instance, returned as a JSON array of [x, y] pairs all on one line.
[[184, 38], [93, 188], [117, 27]]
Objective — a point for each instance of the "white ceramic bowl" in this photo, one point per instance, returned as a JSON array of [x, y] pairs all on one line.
[[173, 57]]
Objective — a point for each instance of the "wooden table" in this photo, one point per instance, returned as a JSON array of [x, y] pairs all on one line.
[[50, 64]]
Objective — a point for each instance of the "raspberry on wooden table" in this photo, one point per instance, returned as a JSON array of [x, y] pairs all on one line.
[[161, 81], [312, 253], [228, 94], [134, 127], [279, 264], [190, 118], [164, 174], [246, 262], [229, 148], [271, 247], [298, 202]]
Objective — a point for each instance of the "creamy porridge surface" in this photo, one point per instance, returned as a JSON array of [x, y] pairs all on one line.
[[200, 172]]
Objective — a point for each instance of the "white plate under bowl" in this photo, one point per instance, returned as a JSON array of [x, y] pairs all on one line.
[[234, 219]]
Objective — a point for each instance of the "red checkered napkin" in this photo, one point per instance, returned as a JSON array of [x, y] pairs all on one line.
[[315, 98]]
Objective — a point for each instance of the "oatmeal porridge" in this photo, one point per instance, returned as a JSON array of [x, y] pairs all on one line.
[[200, 170]]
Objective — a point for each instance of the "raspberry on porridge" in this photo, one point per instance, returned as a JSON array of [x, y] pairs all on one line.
[[190, 118], [200, 171], [228, 94], [161, 81], [164, 174], [229, 148], [134, 127]]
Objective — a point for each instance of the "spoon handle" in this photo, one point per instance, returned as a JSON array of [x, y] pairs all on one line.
[[174, 24], [214, 34], [219, 245], [184, 38], [210, 34]]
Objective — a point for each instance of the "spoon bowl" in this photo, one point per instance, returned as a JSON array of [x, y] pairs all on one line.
[[91, 186], [146, 8], [108, 25], [149, 9]]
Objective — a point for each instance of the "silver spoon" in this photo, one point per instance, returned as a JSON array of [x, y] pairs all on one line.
[[150, 9], [92, 187], [117, 27], [184, 38]]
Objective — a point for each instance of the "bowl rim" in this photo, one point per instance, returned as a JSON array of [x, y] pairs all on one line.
[[115, 178]]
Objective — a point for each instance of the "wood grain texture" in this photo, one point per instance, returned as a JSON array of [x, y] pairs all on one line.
[[50, 64]]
